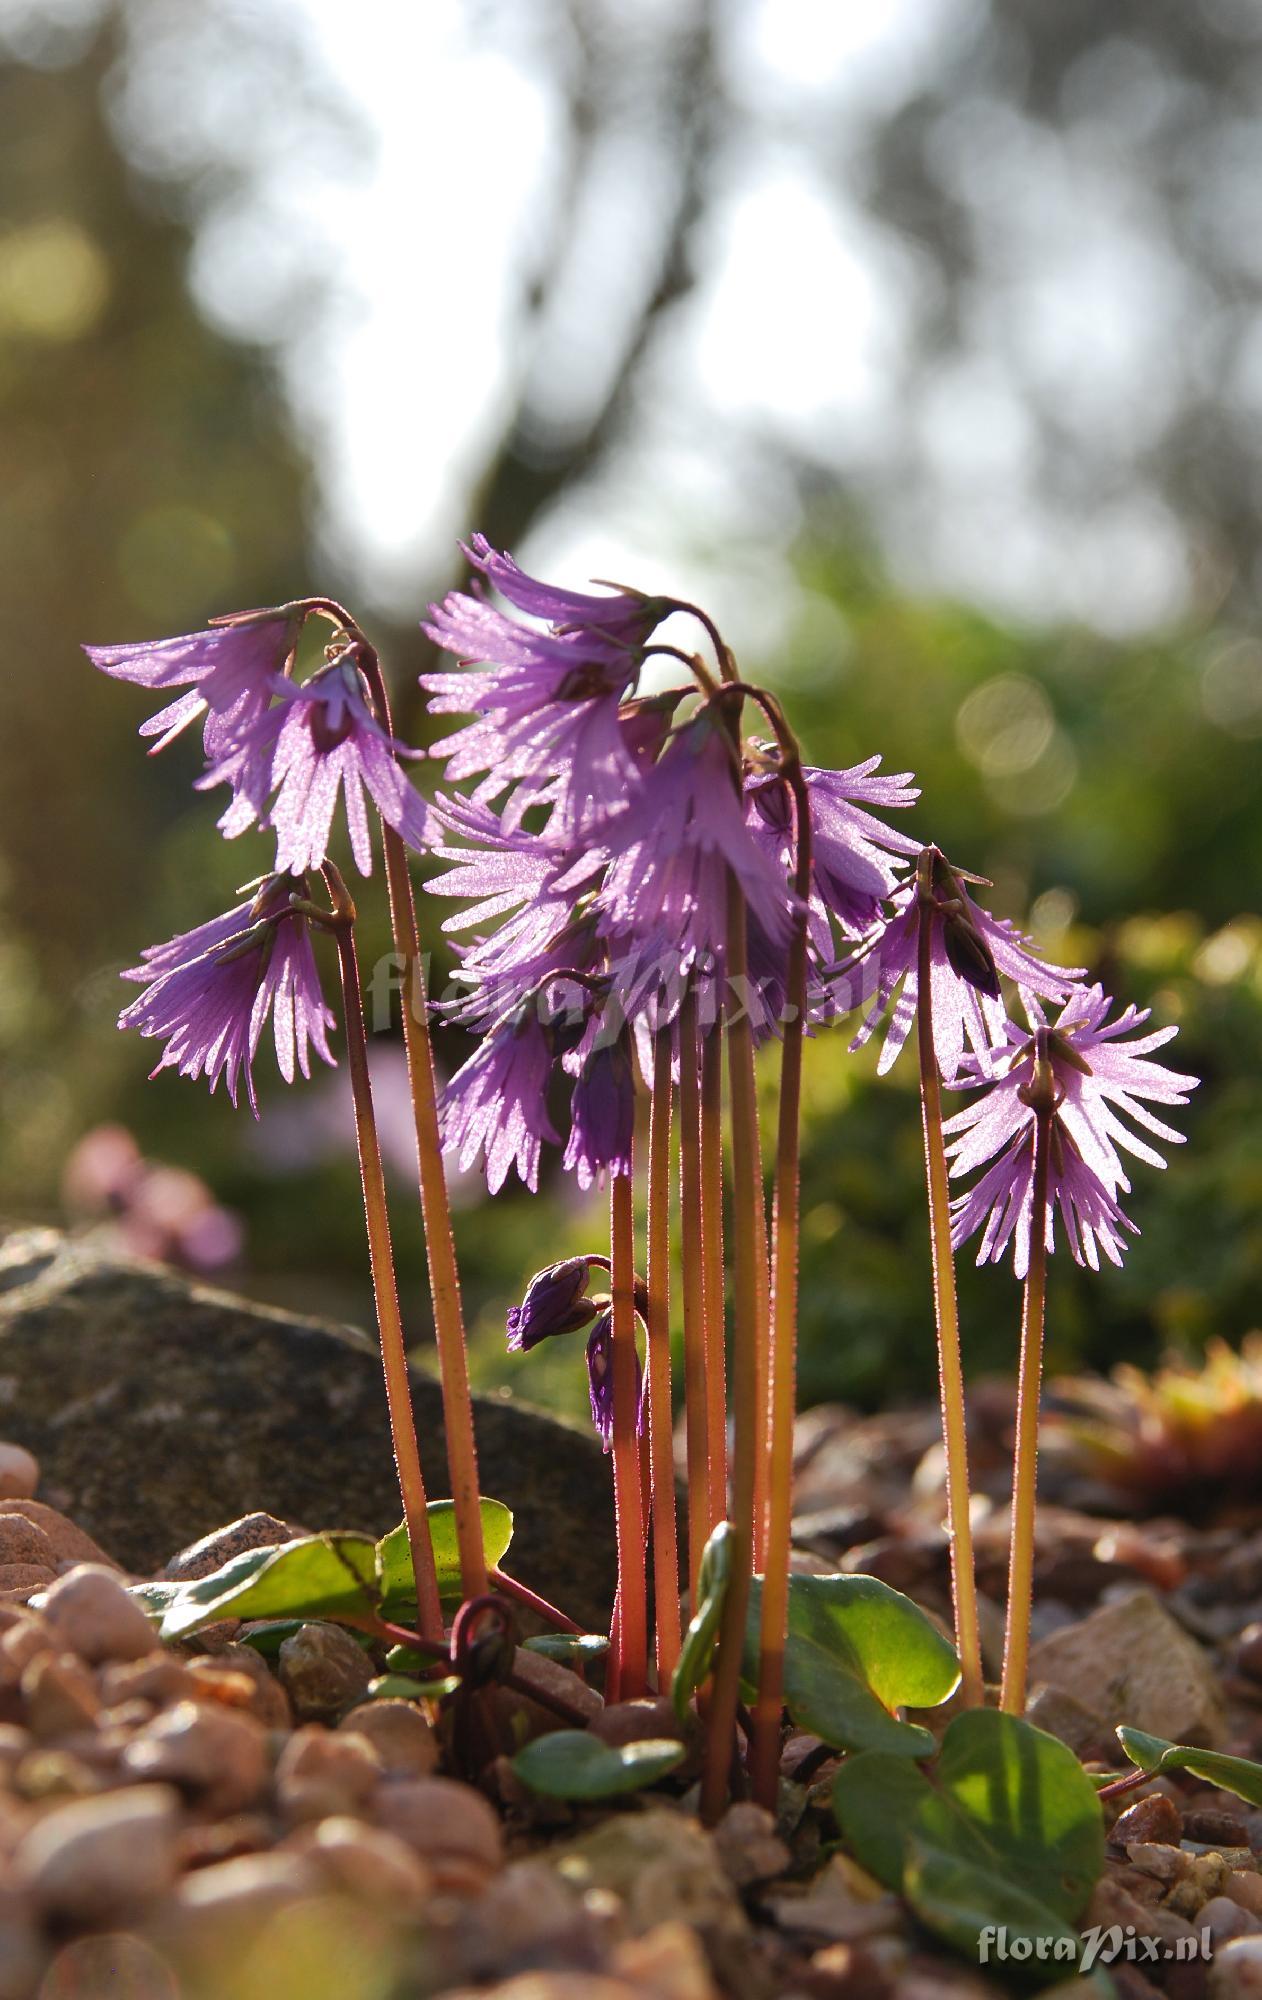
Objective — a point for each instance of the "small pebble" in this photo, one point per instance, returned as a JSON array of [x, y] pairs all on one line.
[[449, 1824], [270, 1703], [322, 1772], [252, 1531], [402, 1738], [60, 1696], [159, 1678], [1249, 1653], [90, 1613], [649, 1719], [69, 1541], [19, 1472], [370, 1863], [1214, 1827], [1158, 1859], [1244, 1886], [748, 1845], [323, 1672], [1236, 1973], [18, 1581], [22, 1542], [1226, 1919], [99, 1859], [1153, 1818], [21, 1948], [215, 1753]]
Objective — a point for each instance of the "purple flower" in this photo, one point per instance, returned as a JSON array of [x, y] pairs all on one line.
[[969, 949], [602, 1114], [669, 853], [600, 1380], [209, 991], [232, 671], [1095, 1077], [497, 1102], [322, 740], [547, 701], [627, 616], [853, 869], [556, 1301]]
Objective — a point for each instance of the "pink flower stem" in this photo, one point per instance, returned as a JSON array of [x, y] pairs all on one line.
[[661, 1428], [765, 1751], [946, 1315], [696, 1384], [1016, 1652], [631, 1637], [407, 1455], [749, 1428]]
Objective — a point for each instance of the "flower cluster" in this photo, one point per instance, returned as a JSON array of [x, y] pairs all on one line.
[[596, 853], [286, 750]]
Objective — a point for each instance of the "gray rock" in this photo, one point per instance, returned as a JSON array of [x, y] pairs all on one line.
[[160, 1409], [101, 1858], [1140, 1667]]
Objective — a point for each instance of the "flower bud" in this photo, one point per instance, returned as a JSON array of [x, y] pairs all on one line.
[[556, 1302]]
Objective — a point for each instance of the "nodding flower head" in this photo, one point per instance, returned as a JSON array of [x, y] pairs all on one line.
[[1080, 1075], [556, 1301], [209, 991], [968, 950]]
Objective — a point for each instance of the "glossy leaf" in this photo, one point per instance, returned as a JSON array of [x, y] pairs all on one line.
[[713, 1574], [155, 1599], [960, 1899], [1155, 1754], [394, 1556], [404, 1687], [857, 1650], [318, 1576], [572, 1764], [1002, 1800]]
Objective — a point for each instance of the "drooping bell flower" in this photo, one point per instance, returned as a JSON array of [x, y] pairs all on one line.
[[1094, 1076], [547, 701], [969, 949], [855, 857], [556, 1301], [496, 1104], [209, 991], [321, 740], [667, 855], [232, 672], [602, 1113]]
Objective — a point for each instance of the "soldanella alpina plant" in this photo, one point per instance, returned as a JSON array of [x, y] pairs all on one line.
[[654, 885]]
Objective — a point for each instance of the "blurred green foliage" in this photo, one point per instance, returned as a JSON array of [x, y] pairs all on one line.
[[148, 480]]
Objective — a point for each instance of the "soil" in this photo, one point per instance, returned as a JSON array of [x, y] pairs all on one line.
[[204, 1822]]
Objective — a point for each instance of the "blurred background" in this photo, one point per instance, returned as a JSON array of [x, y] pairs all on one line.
[[919, 339]]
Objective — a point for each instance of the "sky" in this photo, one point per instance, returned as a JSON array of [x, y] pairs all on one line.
[[797, 330]]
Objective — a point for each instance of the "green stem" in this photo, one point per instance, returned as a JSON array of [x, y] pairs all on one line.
[[746, 1202], [696, 1385], [661, 1430], [712, 1272], [407, 1455], [765, 1749], [1016, 1652], [946, 1314], [631, 1637], [440, 1249]]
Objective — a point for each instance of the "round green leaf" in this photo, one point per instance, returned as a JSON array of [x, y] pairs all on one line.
[[571, 1764], [319, 1576], [855, 1651], [1003, 1797], [394, 1556], [697, 1651], [961, 1901]]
